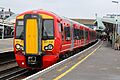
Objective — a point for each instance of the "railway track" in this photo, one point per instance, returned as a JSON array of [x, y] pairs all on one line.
[[9, 70], [7, 61], [7, 56], [11, 73]]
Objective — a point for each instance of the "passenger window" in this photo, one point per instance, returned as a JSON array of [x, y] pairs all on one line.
[[82, 34], [67, 33], [75, 34], [78, 37], [86, 34], [79, 34]]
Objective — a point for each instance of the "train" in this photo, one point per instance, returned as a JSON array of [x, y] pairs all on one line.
[[41, 38]]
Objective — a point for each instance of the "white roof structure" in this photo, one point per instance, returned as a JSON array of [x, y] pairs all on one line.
[[11, 19]]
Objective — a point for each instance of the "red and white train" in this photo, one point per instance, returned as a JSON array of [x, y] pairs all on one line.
[[41, 38]]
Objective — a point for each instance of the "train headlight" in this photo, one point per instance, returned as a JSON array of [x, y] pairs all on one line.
[[46, 48], [22, 48], [49, 47], [18, 46]]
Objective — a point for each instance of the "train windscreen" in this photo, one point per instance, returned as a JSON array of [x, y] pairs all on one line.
[[48, 26], [19, 29]]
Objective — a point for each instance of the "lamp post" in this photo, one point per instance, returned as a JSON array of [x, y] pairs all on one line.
[[116, 29], [3, 22], [116, 2]]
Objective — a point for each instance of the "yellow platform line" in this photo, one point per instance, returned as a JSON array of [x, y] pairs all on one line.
[[62, 68], [74, 66]]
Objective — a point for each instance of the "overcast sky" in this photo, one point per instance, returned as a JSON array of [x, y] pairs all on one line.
[[69, 8]]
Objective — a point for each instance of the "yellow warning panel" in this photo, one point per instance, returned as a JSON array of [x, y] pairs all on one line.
[[20, 17], [31, 36]]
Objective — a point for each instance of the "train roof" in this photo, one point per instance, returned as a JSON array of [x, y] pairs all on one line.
[[76, 22], [40, 11], [53, 14]]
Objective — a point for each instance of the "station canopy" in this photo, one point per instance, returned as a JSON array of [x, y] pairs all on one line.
[[110, 21], [11, 19]]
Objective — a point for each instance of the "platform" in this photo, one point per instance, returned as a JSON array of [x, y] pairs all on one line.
[[102, 63], [6, 45]]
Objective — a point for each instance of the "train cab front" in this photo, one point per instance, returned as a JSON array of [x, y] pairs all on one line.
[[28, 43]]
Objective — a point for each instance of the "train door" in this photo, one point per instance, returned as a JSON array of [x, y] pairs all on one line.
[[61, 30], [84, 36], [72, 37], [87, 39], [33, 30], [67, 37]]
